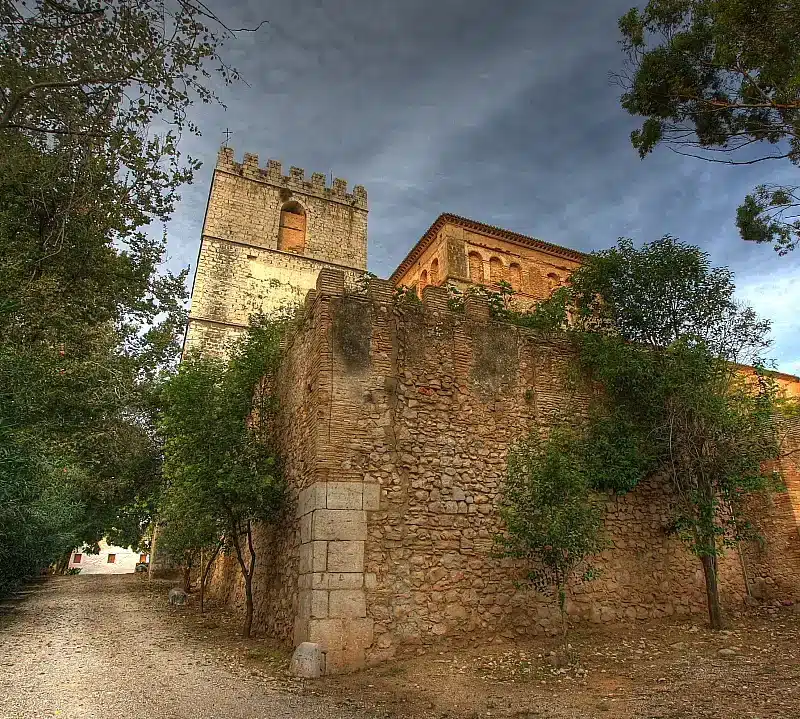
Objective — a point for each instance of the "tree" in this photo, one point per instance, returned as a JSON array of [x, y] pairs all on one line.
[[220, 457], [660, 330], [716, 79], [94, 97], [551, 515], [190, 535]]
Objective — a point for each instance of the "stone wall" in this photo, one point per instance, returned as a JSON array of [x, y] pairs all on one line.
[[397, 422]]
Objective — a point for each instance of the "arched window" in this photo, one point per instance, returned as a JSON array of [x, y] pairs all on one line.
[[292, 229], [496, 272], [423, 281], [553, 282], [475, 268], [435, 272], [515, 276]]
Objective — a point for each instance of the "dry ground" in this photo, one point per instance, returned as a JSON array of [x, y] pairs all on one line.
[[657, 670], [110, 647], [92, 647]]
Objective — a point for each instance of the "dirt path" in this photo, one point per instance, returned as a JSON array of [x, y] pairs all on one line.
[[104, 646]]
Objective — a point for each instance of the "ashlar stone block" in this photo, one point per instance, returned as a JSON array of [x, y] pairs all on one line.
[[345, 557], [319, 604], [339, 524], [371, 496], [344, 495], [308, 661], [306, 525], [337, 580], [344, 641], [313, 557], [311, 498], [347, 603]]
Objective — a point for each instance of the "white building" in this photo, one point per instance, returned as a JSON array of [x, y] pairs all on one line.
[[110, 560]]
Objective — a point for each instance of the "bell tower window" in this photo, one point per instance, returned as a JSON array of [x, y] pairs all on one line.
[[292, 229]]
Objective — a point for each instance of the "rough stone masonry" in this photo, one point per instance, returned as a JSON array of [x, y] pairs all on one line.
[[395, 425]]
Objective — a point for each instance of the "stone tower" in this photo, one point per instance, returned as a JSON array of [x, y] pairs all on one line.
[[265, 238]]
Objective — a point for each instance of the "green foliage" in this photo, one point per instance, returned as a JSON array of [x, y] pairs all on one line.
[[552, 517], [221, 465], [615, 453], [664, 342], [658, 330], [548, 315], [216, 418], [455, 298], [88, 323], [39, 511], [719, 77], [406, 297], [362, 283]]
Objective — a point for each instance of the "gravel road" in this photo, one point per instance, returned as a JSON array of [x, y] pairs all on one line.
[[97, 647]]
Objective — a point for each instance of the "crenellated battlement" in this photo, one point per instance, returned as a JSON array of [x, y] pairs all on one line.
[[296, 181], [332, 283]]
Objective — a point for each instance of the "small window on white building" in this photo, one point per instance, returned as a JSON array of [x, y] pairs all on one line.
[[112, 558], [77, 559]]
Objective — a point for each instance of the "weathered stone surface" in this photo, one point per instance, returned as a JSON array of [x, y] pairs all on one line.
[[347, 603], [344, 495], [255, 257], [345, 557], [178, 596], [319, 604], [424, 429], [372, 494], [337, 580], [308, 661], [339, 524]]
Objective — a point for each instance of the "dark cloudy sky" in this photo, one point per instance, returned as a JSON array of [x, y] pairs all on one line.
[[501, 111]]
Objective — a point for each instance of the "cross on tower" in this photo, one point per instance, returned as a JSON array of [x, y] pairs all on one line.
[[227, 134]]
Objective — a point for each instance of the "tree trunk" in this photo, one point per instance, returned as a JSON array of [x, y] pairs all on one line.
[[248, 581], [562, 609], [248, 591], [205, 568], [63, 563], [152, 551], [712, 590], [247, 572], [187, 577]]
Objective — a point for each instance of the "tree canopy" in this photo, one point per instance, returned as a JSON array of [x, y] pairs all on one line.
[[94, 97], [221, 464], [658, 329], [720, 80]]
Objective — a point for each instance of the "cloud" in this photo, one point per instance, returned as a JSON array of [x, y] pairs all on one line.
[[777, 296], [502, 112]]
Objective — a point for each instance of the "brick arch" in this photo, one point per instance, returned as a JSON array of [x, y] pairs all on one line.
[[292, 228], [423, 281], [515, 276], [475, 268], [435, 272], [497, 271]]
